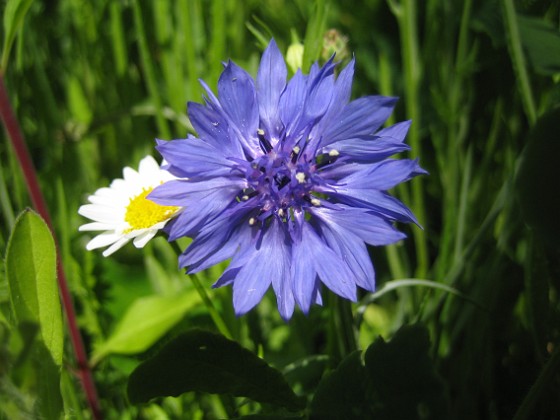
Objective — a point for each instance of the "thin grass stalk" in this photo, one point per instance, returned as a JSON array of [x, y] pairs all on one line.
[[214, 314], [518, 59], [18, 142], [6, 203], [216, 317], [463, 207], [185, 22], [149, 73], [407, 17], [385, 88]]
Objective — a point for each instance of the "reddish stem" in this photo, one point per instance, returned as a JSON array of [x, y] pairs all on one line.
[[22, 153]]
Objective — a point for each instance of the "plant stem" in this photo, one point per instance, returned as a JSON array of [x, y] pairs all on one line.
[[147, 67], [518, 59], [216, 317], [406, 16], [6, 204], [341, 339], [18, 142]]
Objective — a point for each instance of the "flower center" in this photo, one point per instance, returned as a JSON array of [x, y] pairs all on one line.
[[142, 213]]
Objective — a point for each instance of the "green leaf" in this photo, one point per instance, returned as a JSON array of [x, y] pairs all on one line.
[[207, 362], [402, 377], [145, 321], [31, 272], [396, 284], [14, 14], [341, 394], [77, 101], [398, 381], [49, 403], [541, 40]]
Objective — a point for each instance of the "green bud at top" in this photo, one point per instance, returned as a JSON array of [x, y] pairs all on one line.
[[294, 56]]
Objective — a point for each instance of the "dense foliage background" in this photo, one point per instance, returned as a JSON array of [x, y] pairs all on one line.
[[94, 82]]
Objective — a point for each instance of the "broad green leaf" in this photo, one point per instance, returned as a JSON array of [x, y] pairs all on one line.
[[31, 272], [14, 14], [402, 377], [48, 383], [398, 381], [341, 395], [207, 362], [542, 43], [147, 320]]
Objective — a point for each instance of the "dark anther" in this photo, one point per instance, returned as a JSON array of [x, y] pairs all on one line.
[[264, 143]]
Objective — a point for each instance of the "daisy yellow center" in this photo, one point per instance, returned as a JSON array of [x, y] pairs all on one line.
[[142, 213]]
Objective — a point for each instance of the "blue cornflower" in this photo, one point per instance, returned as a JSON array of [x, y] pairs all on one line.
[[289, 180]]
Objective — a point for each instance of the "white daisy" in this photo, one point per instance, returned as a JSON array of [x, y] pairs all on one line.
[[123, 211]]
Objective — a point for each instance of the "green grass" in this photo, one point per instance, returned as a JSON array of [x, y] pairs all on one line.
[[94, 83]]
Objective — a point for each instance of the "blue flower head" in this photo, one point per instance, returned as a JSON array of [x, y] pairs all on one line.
[[289, 180]]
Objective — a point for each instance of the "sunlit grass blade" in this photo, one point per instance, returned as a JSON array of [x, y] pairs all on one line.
[[14, 14], [413, 282]]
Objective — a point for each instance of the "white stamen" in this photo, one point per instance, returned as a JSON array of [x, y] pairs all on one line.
[[281, 212], [252, 221], [316, 202], [300, 176], [245, 197], [333, 153], [296, 150], [260, 132]]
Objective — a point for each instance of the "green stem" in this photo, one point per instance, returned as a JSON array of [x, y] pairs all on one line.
[[406, 16], [149, 74], [518, 59], [341, 336], [216, 317], [6, 203], [462, 214], [395, 264], [185, 19]]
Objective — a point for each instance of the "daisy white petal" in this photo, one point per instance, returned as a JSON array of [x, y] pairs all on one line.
[[123, 210]]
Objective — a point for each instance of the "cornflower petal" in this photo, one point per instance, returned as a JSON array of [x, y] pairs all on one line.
[[195, 158], [236, 91], [354, 253], [360, 117], [271, 81], [266, 264], [213, 128]]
